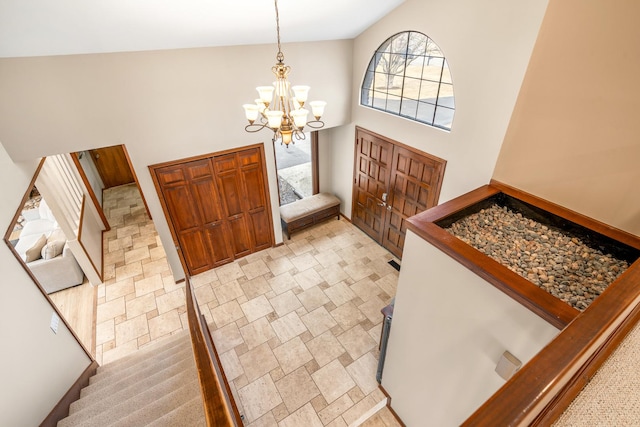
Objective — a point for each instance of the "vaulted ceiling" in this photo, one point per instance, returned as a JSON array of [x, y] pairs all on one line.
[[63, 27]]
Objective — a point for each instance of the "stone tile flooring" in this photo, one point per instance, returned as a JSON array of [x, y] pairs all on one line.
[[296, 326]]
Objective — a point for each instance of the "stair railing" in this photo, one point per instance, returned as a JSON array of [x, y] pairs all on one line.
[[219, 405]]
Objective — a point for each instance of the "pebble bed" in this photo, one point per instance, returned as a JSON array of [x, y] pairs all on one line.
[[558, 263]]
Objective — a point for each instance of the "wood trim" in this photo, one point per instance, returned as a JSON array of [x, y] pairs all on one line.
[[153, 171], [345, 218], [61, 410], [564, 398], [137, 181], [393, 412], [265, 178], [315, 161], [539, 392], [100, 273], [92, 194], [32, 183], [219, 405], [204, 156]]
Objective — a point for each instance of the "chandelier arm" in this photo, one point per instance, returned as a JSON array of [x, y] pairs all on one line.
[[300, 136], [315, 124], [255, 127]]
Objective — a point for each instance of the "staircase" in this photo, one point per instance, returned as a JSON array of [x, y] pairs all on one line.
[[156, 386]]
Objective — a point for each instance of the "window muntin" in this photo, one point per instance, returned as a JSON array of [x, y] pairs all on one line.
[[409, 76]]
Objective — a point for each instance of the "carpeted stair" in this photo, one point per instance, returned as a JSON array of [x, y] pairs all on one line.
[[156, 386]]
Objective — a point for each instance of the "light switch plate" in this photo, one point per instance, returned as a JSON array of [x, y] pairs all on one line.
[[508, 365]]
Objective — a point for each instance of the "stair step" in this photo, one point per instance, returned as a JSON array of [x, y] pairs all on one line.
[[178, 402], [138, 371], [156, 385], [190, 414], [126, 407], [163, 346]]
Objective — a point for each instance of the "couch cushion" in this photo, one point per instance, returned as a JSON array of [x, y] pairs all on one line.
[[56, 235], [35, 251], [26, 242], [52, 249], [37, 227]]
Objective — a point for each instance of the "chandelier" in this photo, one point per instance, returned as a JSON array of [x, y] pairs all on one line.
[[280, 107]]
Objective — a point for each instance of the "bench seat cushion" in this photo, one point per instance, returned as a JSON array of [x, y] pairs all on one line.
[[307, 206]]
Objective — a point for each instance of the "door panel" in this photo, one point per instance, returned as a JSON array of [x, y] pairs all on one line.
[[230, 185], [411, 179], [371, 179], [189, 192], [257, 205], [414, 176]]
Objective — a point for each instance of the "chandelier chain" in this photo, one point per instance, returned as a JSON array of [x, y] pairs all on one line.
[[280, 55]]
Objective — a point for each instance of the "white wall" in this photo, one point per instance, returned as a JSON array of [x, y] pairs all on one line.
[[448, 331], [487, 45], [162, 105], [90, 171], [36, 366]]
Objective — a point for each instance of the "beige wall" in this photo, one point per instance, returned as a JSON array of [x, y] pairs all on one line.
[[161, 105], [449, 329], [574, 137], [487, 45], [36, 366]]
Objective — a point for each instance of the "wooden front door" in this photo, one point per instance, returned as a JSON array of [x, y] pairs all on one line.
[[112, 165], [371, 180], [392, 182], [218, 207]]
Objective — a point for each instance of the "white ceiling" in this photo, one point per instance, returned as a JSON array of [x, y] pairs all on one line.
[[62, 27]]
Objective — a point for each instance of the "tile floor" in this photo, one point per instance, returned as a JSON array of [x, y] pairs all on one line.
[[296, 326]]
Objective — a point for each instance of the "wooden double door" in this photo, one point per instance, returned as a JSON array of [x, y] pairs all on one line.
[[218, 207], [391, 183]]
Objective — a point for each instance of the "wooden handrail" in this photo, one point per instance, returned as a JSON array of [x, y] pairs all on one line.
[[219, 406]]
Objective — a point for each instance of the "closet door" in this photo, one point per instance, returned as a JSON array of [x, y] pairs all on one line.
[[232, 196], [260, 222], [191, 200], [218, 206], [244, 195]]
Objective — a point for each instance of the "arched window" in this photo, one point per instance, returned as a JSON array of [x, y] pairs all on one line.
[[409, 76]]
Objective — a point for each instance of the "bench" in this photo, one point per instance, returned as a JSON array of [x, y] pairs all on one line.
[[306, 212]]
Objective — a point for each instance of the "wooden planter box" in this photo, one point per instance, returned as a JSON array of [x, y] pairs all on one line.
[[541, 390]]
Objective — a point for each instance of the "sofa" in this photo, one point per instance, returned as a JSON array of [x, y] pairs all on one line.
[[43, 247]]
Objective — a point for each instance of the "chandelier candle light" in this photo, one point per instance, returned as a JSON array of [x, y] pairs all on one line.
[[281, 107]]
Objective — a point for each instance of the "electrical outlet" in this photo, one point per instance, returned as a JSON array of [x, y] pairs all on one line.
[[55, 321]]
